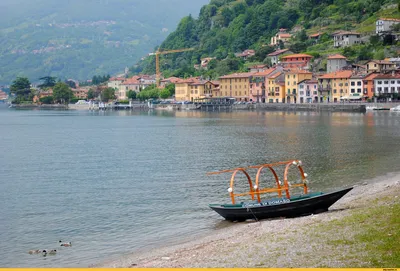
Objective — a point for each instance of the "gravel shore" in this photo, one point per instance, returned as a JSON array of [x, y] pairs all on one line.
[[299, 242]]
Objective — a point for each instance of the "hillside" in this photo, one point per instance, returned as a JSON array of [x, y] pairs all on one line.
[[78, 39], [225, 27]]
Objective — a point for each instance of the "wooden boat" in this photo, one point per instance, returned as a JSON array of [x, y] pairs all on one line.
[[284, 205]]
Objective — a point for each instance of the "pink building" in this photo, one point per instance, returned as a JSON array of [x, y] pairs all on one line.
[[308, 91], [259, 84]]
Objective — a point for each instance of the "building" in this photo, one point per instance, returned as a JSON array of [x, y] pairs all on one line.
[[3, 95], [346, 38], [387, 86], [384, 25], [259, 83], [296, 61], [315, 37], [115, 82], [274, 56], [80, 93], [308, 91], [280, 36], [356, 86], [369, 85], [169, 80], [129, 84], [335, 85], [258, 68], [246, 54], [380, 66], [292, 78], [204, 63], [202, 89], [276, 88], [236, 85], [335, 63], [183, 89]]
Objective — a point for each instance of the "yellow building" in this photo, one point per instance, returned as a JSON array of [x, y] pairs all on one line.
[[334, 85], [276, 88], [183, 89], [201, 89], [236, 85], [380, 66], [292, 78]]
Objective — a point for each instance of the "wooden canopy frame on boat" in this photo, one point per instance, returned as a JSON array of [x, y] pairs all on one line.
[[255, 190]]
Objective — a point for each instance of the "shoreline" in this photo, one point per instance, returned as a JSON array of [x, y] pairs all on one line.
[[274, 243]]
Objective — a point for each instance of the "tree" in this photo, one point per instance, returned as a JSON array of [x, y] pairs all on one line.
[[21, 87], [70, 83], [171, 89], [164, 94], [90, 94], [48, 82], [107, 94], [46, 100], [131, 94], [62, 93]]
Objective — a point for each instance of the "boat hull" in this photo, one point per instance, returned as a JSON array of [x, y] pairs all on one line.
[[302, 207]]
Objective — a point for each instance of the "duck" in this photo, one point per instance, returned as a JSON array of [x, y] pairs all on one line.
[[53, 252], [44, 252], [36, 251], [68, 244]]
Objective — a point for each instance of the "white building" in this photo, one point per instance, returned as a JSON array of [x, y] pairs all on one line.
[[115, 82], [356, 86], [336, 62], [346, 38], [385, 25], [385, 85]]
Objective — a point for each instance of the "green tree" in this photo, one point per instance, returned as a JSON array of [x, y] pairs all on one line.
[[131, 94], [21, 87], [164, 94], [171, 89], [107, 94], [48, 82], [62, 93], [90, 94], [47, 100]]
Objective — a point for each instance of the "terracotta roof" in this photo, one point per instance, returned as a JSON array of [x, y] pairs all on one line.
[[265, 73], [215, 82], [315, 35], [371, 76], [116, 79], [278, 52], [285, 35], [389, 19], [257, 66], [336, 56], [296, 55], [238, 75], [171, 79], [387, 76], [275, 75], [297, 71], [336, 75], [131, 81]]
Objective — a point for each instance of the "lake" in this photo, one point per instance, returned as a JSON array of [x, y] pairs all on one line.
[[118, 182]]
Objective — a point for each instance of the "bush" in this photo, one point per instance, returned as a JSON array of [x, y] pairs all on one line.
[[74, 100], [47, 100], [124, 102]]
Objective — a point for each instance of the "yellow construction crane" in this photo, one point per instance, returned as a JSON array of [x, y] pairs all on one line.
[[158, 53]]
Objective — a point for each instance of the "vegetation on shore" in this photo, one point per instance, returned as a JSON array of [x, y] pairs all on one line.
[[226, 27]]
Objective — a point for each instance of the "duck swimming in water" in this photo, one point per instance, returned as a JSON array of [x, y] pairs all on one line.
[[68, 244], [53, 252]]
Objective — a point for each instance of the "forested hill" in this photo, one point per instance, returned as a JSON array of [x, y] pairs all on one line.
[[225, 27], [81, 38]]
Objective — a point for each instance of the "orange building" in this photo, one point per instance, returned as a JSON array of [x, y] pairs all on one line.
[[299, 61], [369, 87]]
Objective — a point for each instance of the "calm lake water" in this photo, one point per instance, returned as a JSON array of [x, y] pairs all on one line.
[[117, 182]]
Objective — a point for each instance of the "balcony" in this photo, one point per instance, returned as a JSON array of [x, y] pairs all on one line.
[[324, 88]]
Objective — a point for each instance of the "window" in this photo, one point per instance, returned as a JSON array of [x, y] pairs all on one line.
[[315, 93], [301, 92], [334, 91], [301, 86], [359, 90], [294, 83], [386, 89], [379, 89], [392, 89], [353, 84], [346, 84], [352, 90], [392, 82], [386, 82], [288, 83], [379, 82], [359, 83]]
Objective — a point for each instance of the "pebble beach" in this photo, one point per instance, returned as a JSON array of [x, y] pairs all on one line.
[[310, 241]]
